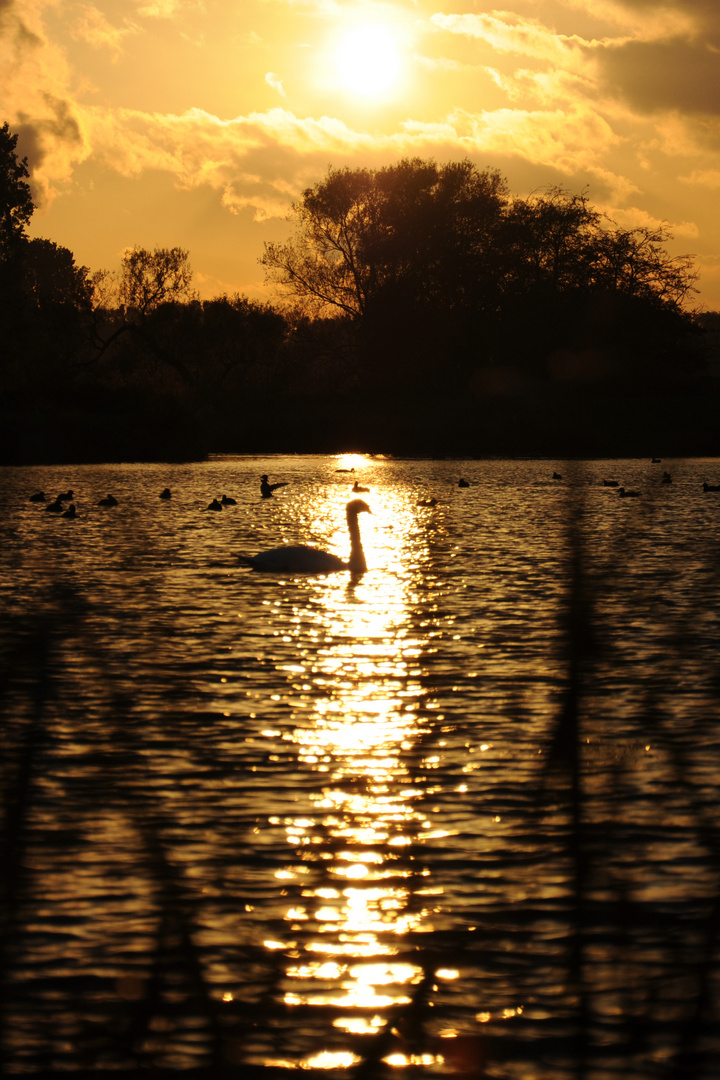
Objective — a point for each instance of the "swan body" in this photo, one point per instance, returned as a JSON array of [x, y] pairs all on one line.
[[302, 559]]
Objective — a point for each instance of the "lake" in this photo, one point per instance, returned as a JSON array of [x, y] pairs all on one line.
[[454, 817]]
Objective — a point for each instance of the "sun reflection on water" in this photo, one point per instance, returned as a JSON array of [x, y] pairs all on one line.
[[360, 710]]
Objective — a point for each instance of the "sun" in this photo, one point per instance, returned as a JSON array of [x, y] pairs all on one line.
[[368, 60]]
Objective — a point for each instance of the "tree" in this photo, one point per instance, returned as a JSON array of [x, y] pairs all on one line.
[[364, 235], [16, 205], [51, 277], [442, 272], [151, 278]]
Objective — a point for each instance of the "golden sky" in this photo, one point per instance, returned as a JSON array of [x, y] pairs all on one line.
[[196, 123]]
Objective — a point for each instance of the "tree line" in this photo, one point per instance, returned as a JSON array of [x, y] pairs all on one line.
[[421, 309]]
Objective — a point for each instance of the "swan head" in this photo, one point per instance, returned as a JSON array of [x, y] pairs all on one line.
[[357, 506]]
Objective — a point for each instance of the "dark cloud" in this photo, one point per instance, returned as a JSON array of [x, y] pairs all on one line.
[[664, 76]]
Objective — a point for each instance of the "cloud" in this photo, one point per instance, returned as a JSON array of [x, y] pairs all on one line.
[[275, 82], [657, 77], [37, 101], [93, 27]]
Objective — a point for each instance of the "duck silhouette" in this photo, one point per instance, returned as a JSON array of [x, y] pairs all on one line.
[[109, 500], [626, 494], [302, 559], [610, 483], [226, 501], [711, 487], [39, 496], [165, 493], [463, 483], [358, 489], [70, 512], [266, 488], [55, 507], [214, 505]]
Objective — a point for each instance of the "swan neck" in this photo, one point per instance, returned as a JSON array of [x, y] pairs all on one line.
[[357, 555]]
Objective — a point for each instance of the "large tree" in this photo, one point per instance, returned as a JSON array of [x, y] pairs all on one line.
[[442, 272], [363, 235]]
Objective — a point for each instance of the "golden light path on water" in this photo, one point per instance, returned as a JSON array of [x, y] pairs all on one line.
[[358, 696]]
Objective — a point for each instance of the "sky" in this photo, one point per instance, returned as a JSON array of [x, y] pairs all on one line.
[[197, 123]]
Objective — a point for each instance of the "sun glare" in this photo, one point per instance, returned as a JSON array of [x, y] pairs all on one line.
[[368, 60]]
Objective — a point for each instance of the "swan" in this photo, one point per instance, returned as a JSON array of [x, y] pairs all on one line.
[[266, 489], [301, 559]]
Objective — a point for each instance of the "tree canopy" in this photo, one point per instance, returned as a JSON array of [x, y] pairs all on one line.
[[440, 263]]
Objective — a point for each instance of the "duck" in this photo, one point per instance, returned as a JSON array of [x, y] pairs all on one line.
[[226, 501], [427, 502], [557, 476], [55, 507], [302, 559], [214, 505], [627, 494], [70, 512], [666, 478], [67, 496], [109, 500], [358, 489], [165, 493], [266, 488], [655, 460], [39, 496], [463, 483], [711, 487], [610, 483]]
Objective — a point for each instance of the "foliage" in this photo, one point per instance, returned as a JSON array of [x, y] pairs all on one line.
[[16, 205], [445, 274], [151, 278]]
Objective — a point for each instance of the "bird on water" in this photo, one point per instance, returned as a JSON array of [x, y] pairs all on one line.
[[266, 488], [302, 559]]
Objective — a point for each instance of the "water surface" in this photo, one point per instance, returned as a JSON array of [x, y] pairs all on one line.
[[456, 816]]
